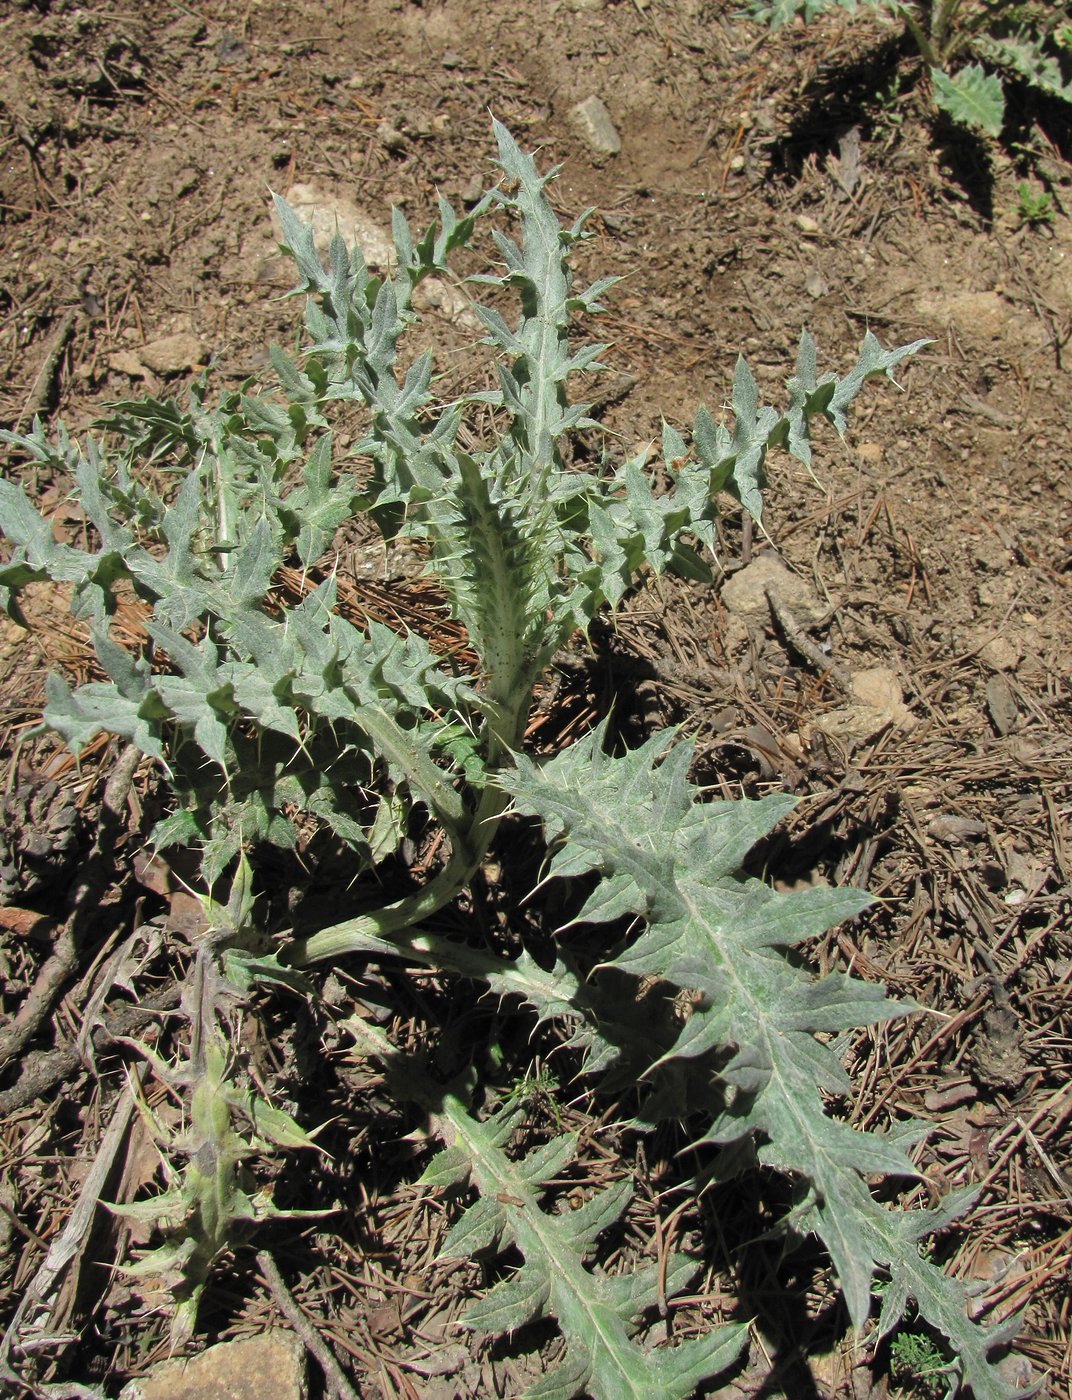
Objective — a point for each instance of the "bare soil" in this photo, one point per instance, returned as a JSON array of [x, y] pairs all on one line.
[[761, 187]]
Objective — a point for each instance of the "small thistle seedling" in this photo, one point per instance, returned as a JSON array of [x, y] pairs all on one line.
[[261, 716], [1004, 38], [1034, 207]]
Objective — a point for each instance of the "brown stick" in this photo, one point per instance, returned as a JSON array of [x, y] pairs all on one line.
[[37, 1302], [41, 393], [43, 1072], [85, 905], [803, 645], [314, 1342]]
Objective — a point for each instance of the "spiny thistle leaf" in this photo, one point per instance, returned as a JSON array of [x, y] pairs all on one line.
[[598, 1315], [972, 97], [260, 713], [722, 935], [209, 1208], [1023, 54], [777, 13]]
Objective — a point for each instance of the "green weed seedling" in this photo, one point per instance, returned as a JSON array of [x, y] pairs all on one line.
[[917, 1365], [1003, 38], [262, 718], [1034, 207]]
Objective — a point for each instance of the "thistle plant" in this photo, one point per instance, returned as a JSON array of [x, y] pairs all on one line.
[[1005, 38], [264, 718]]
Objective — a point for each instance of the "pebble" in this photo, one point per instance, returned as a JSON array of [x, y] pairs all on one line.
[[878, 702], [268, 1366], [390, 138], [172, 354], [592, 122], [745, 593]]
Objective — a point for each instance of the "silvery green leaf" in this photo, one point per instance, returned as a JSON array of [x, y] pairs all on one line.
[[565, 1377], [1023, 53], [544, 1163], [971, 96], [709, 929], [322, 505], [584, 1225], [94, 709], [480, 1228], [263, 699], [269, 1123], [255, 565], [777, 13], [510, 1305], [600, 1353], [298, 241], [451, 1167]]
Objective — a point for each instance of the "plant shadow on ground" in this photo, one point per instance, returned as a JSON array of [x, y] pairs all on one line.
[[879, 90], [1033, 120], [775, 1279], [867, 90]]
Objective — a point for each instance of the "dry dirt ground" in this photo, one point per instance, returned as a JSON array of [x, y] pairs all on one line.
[[761, 187]]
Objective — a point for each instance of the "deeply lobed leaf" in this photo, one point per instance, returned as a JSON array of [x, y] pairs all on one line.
[[597, 1315], [762, 1020]]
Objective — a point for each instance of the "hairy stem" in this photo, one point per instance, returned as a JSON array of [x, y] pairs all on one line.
[[470, 842]]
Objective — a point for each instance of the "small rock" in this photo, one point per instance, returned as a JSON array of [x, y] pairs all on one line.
[[879, 687], [745, 593], [270, 1366], [473, 192], [879, 704], [186, 179], [328, 214], [1001, 703], [592, 122], [952, 829], [128, 362], [851, 724], [173, 354], [815, 284], [391, 139], [586, 4], [807, 225], [737, 164], [870, 453], [1000, 654]]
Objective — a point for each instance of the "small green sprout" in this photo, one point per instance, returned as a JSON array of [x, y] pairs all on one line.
[[1035, 207], [918, 1366]]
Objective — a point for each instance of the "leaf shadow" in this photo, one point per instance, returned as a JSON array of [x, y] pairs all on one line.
[[863, 91]]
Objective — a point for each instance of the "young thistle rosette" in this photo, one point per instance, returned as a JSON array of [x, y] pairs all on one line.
[[254, 712]]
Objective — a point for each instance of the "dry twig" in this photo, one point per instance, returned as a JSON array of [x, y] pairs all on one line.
[[314, 1343], [40, 395], [85, 905], [39, 1297]]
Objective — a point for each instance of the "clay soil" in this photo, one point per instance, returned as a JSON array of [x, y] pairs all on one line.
[[762, 186]]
